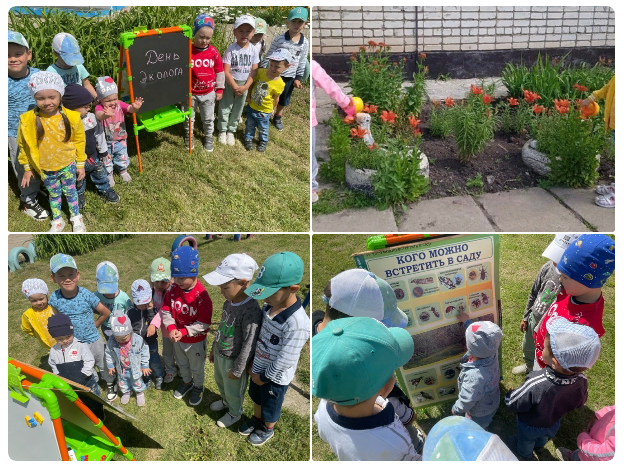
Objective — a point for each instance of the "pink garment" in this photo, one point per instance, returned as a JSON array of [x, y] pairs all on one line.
[[115, 127], [599, 443], [329, 86], [158, 301]]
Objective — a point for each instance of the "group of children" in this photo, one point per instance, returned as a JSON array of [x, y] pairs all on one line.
[[55, 139], [260, 344], [359, 342]]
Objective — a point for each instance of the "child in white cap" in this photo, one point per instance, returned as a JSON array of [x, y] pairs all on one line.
[[69, 62], [234, 343], [52, 143], [543, 293], [127, 354], [35, 319], [547, 395], [111, 111]]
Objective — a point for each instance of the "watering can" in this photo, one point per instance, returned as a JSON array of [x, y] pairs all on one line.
[[589, 111]]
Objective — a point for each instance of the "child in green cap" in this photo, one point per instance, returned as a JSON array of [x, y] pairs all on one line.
[[285, 329], [257, 41]]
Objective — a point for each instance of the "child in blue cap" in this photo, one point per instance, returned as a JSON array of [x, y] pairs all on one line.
[[584, 268], [69, 62]]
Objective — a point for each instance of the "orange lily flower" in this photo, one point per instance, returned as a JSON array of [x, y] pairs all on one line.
[[373, 146], [388, 116], [372, 43], [580, 87], [530, 97], [476, 90], [449, 102], [414, 122], [538, 109], [369, 108], [513, 101], [381, 44], [487, 99], [362, 48], [436, 102], [416, 132], [349, 120], [423, 55], [358, 132], [562, 106]]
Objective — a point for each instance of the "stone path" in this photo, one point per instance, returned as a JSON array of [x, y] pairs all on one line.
[[520, 210]]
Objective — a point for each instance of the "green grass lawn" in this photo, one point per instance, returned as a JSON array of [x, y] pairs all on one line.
[[229, 189], [520, 261], [168, 429]]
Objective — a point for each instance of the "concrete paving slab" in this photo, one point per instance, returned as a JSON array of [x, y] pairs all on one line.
[[459, 88], [530, 210], [364, 220], [321, 151], [582, 201], [448, 214]]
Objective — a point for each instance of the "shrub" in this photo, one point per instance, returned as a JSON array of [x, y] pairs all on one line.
[[513, 119], [46, 246], [473, 126], [413, 97], [339, 146], [441, 121]]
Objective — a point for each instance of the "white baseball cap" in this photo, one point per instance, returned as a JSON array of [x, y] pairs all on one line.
[[141, 293], [234, 266], [561, 241], [244, 19]]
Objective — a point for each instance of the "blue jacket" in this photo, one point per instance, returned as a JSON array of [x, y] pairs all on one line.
[[478, 383], [138, 355]]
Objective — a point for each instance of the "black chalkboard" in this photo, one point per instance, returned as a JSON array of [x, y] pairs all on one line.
[[160, 68]]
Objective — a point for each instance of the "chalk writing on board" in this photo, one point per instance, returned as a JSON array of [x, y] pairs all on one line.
[[154, 57], [160, 75]]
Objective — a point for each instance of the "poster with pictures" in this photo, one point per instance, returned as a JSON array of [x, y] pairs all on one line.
[[433, 280]]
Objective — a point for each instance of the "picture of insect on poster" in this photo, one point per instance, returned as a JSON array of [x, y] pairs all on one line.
[[434, 280]]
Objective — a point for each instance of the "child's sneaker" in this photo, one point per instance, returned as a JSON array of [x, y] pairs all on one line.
[[222, 138], [230, 139], [141, 401], [182, 390], [35, 211], [112, 391], [522, 369], [248, 145], [56, 226], [125, 398], [187, 141], [112, 183], [218, 405], [227, 420], [125, 176], [261, 147], [249, 426], [209, 144], [168, 378], [158, 382], [314, 196], [563, 453], [148, 383], [77, 224], [110, 196], [277, 123], [261, 435], [196, 396]]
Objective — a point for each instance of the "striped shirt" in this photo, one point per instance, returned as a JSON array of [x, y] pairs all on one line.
[[298, 50], [280, 342]]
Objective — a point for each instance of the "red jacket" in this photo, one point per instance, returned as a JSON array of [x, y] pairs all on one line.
[[207, 71], [584, 314], [189, 312]]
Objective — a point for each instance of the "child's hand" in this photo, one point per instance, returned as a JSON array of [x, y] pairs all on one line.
[[109, 110], [137, 104], [152, 329], [218, 96], [233, 377], [297, 84], [210, 358], [461, 315], [145, 372], [80, 174], [523, 326], [26, 178], [255, 378], [586, 103], [112, 371], [175, 335], [240, 91]]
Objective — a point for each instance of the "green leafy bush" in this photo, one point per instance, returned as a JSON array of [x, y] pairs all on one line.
[[46, 246], [473, 127], [513, 119], [413, 97], [440, 121], [339, 146]]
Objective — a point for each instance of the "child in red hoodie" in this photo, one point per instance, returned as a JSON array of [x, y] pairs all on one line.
[[187, 314], [208, 79], [584, 268]]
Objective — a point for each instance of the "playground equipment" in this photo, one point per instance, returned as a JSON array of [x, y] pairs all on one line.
[[181, 240], [28, 253], [48, 420]]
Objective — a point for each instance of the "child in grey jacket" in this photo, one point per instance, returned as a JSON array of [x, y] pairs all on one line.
[[127, 353], [478, 382]]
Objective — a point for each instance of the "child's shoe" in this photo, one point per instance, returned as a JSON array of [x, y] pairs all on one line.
[[314, 196], [148, 383], [218, 405], [77, 224], [125, 176], [112, 183], [230, 139], [158, 382], [168, 378], [249, 426], [277, 123], [125, 398], [522, 369], [182, 390], [261, 147], [227, 420], [222, 138], [35, 211], [110, 196], [261, 435], [112, 391], [57, 225], [141, 401], [248, 145], [607, 201], [209, 144], [563, 453], [196, 396]]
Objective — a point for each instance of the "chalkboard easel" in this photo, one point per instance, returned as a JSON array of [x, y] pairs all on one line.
[[161, 61]]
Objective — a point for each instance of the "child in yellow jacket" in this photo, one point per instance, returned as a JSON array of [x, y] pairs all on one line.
[[52, 142], [35, 319], [606, 196]]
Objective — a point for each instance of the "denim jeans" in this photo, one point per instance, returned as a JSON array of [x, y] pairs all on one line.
[[97, 173], [154, 362], [256, 120], [531, 437], [119, 157], [127, 382]]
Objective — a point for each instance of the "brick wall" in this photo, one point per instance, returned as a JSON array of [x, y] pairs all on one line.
[[442, 28]]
